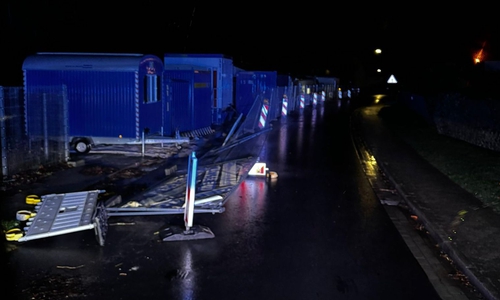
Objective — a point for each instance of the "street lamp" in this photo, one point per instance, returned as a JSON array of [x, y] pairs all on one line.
[[378, 51]]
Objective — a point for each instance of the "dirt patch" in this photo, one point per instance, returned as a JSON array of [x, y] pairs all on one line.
[[55, 286], [31, 176], [127, 173], [97, 170]]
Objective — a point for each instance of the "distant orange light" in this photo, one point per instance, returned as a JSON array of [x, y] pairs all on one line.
[[479, 56]]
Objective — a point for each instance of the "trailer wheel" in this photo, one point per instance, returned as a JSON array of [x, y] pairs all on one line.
[[82, 146]]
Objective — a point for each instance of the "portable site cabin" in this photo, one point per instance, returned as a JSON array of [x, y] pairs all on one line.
[[250, 84], [189, 98], [329, 85], [307, 87], [221, 68], [111, 98]]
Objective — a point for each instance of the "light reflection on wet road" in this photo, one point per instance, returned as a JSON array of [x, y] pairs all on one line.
[[315, 232]]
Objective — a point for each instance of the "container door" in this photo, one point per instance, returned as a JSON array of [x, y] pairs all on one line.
[[180, 108]]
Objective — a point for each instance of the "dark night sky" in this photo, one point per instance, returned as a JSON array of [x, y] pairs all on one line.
[[299, 39]]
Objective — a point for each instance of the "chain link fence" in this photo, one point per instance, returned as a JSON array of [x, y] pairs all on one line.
[[33, 129]]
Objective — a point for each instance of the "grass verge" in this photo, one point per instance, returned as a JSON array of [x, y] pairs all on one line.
[[475, 169]]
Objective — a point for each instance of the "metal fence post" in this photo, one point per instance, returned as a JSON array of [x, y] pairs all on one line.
[[3, 141], [143, 144], [66, 123], [45, 128]]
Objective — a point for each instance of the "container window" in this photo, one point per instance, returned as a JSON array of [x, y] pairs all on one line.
[[151, 88]]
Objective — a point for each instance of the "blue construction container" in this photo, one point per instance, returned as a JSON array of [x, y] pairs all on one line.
[[250, 84], [221, 67], [112, 98], [189, 100], [284, 80]]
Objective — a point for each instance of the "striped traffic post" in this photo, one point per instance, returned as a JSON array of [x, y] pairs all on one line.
[[190, 192], [302, 101], [284, 106], [323, 96], [263, 116], [315, 99]]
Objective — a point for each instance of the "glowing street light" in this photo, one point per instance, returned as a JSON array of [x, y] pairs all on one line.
[[378, 51]]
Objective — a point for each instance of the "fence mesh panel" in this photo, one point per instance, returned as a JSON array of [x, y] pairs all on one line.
[[33, 129]]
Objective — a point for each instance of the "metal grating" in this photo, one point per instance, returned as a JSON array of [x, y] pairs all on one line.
[[58, 214]]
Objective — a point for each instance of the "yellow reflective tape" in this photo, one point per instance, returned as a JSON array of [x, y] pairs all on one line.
[[32, 199], [13, 234]]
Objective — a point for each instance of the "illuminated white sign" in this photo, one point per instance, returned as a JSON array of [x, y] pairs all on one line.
[[392, 79]]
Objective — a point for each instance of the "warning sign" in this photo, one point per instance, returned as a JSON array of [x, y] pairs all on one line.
[[392, 79], [258, 169]]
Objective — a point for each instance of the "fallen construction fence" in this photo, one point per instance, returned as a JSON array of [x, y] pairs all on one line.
[[59, 214]]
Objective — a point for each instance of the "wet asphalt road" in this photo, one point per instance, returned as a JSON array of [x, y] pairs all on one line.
[[316, 232]]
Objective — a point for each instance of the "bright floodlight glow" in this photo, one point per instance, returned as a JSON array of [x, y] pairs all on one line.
[[378, 51], [378, 70]]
